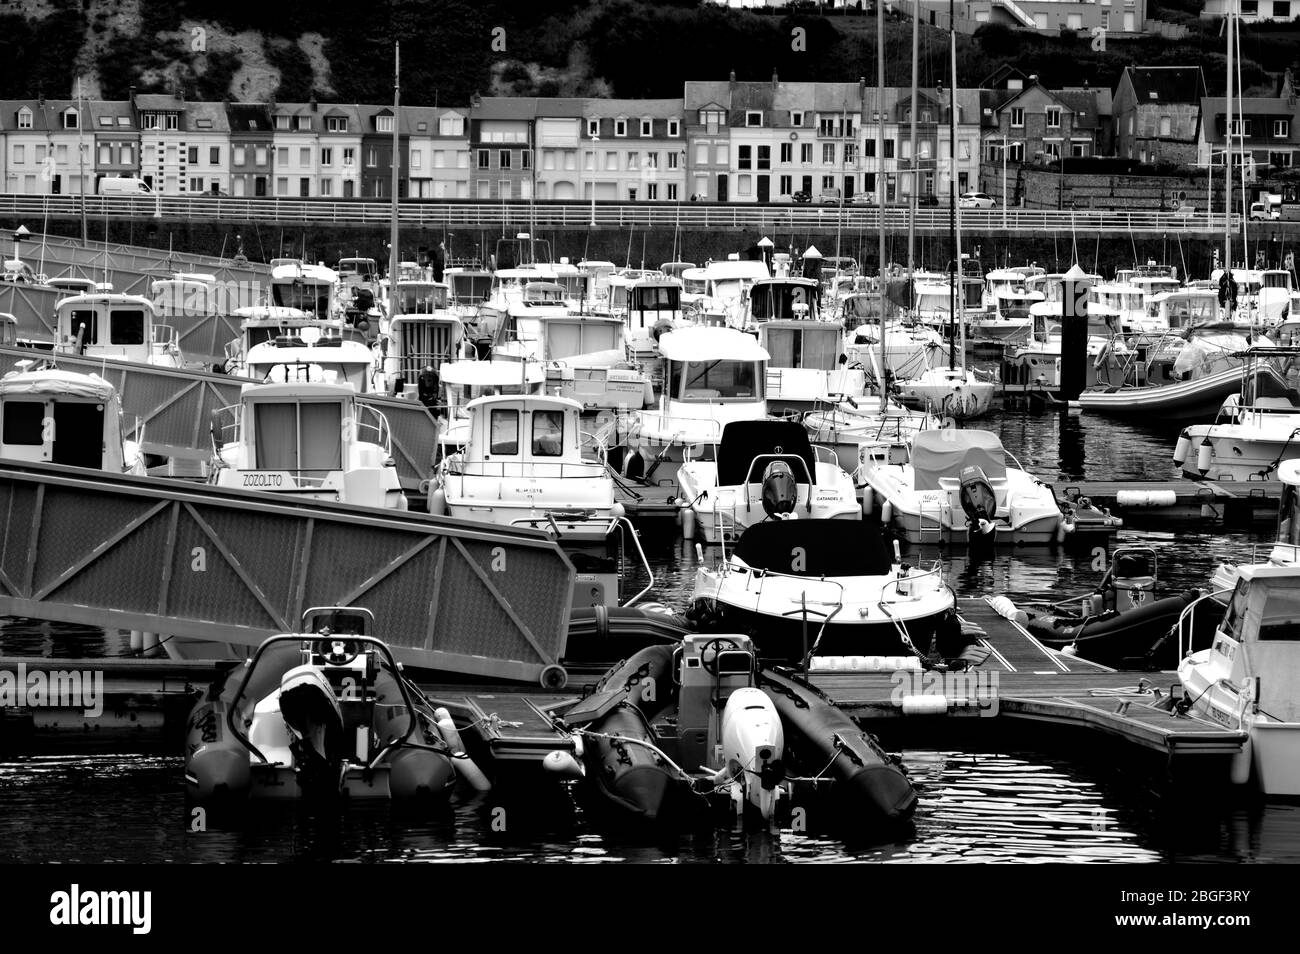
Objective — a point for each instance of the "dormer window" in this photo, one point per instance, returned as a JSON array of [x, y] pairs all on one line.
[[24, 118], [281, 122], [337, 124], [304, 124], [384, 124], [754, 117], [71, 120], [620, 127], [593, 127], [674, 128], [796, 117], [106, 121], [647, 127]]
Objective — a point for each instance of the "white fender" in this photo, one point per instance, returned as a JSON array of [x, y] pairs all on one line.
[[1181, 448], [438, 502], [868, 501], [688, 523], [1239, 771], [1203, 456], [886, 513], [463, 764], [752, 738]]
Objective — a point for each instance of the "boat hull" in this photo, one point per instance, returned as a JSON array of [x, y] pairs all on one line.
[[1196, 399]]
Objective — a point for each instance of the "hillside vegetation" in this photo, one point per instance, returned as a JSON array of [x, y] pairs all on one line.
[[453, 48]]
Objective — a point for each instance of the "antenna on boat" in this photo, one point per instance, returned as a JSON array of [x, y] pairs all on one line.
[[880, 180], [396, 159]]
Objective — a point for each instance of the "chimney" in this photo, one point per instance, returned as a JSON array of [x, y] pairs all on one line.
[[732, 77], [774, 79], [313, 103]]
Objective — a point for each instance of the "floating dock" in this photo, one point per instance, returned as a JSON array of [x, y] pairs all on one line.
[[1142, 502]]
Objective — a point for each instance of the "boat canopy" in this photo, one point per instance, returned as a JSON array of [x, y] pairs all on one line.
[[742, 441], [482, 374], [815, 548], [710, 344], [55, 382], [944, 452]]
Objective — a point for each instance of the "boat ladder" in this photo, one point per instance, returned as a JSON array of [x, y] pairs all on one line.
[[937, 512]]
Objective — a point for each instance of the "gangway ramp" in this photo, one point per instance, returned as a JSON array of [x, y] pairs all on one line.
[[169, 410], [234, 566]]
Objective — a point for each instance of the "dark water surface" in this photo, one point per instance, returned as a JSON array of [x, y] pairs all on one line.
[[986, 799]]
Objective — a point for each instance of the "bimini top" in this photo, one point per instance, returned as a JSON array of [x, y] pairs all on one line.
[[815, 548], [307, 273], [742, 441], [711, 344], [730, 271], [943, 453], [482, 374], [55, 381]]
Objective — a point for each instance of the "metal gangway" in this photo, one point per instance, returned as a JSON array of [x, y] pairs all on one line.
[[234, 566]]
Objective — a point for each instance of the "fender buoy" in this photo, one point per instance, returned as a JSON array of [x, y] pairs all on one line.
[[1182, 447], [868, 501], [1239, 771], [1203, 456], [688, 523], [886, 513], [465, 766]]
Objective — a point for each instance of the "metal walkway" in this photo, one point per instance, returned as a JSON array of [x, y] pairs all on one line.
[[169, 410], [235, 566]]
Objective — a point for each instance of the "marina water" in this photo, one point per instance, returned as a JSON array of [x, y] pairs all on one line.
[[987, 799]]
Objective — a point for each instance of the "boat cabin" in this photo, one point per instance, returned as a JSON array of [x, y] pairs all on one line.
[[68, 285], [1259, 639], [309, 288], [422, 337], [353, 270], [468, 287], [713, 372], [651, 301], [1183, 309], [349, 362], [675, 270], [61, 417], [114, 326], [776, 299], [8, 330]]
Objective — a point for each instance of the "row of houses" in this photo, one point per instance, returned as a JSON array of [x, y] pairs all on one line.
[[728, 140]]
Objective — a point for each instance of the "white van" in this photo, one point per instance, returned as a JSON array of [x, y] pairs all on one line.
[[124, 185]]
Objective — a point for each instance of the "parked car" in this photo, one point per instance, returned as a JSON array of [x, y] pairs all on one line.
[[830, 197], [929, 199], [124, 185], [1261, 212], [975, 200], [802, 196], [862, 198]]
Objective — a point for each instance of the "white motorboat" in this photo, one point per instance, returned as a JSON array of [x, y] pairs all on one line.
[[415, 343], [1128, 305], [808, 588], [726, 284], [763, 470], [1256, 429], [304, 434], [954, 486], [1008, 316], [712, 376], [959, 393], [465, 381], [909, 346], [310, 288], [842, 423], [1249, 679], [654, 308], [61, 417], [116, 327], [807, 365]]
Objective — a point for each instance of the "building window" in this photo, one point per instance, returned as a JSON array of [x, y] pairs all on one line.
[[672, 192], [647, 126], [304, 187], [1166, 126], [384, 124], [796, 117], [787, 152], [672, 160], [805, 152], [192, 155], [71, 120], [743, 185], [632, 160], [304, 123], [652, 159], [620, 127], [850, 152], [869, 149], [349, 158], [525, 159], [282, 156], [828, 182], [743, 157], [503, 158], [304, 156], [593, 127], [1078, 149], [785, 185], [482, 159], [172, 121], [451, 126], [327, 187], [260, 155], [239, 156], [327, 157], [503, 188], [652, 190], [337, 124], [1053, 117], [214, 155], [281, 186], [1281, 128], [754, 117], [1017, 117], [765, 157], [105, 155], [281, 122], [24, 118], [722, 155], [611, 161], [889, 149], [1241, 127], [415, 159], [196, 185], [674, 128], [1282, 9], [828, 154], [372, 158]]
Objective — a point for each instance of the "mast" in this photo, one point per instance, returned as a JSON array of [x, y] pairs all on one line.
[[81, 158], [1227, 155], [880, 186], [392, 233], [954, 226]]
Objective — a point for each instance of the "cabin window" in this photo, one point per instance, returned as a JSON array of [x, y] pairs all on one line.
[[79, 434], [83, 326], [548, 433], [127, 328], [505, 432], [299, 437], [24, 423], [1281, 616], [705, 380]]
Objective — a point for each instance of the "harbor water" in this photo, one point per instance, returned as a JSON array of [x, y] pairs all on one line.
[[979, 801]]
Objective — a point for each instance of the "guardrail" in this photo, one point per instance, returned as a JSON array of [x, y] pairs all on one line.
[[696, 216]]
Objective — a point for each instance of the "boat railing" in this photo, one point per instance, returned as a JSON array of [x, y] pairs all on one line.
[[458, 467], [935, 570], [1186, 625], [373, 427], [582, 522]]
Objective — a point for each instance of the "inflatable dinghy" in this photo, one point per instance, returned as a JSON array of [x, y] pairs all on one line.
[[1111, 638]]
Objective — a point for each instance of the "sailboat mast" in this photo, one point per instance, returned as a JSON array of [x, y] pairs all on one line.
[[1227, 155], [954, 269], [392, 233], [880, 188]]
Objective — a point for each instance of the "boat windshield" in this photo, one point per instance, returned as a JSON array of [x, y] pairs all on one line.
[[467, 288], [656, 298], [769, 301], [717, 380], [298, 436], [564, 339], [421, 299], [813, 348]]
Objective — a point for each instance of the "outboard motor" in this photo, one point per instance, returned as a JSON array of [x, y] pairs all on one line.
[[314, 719], [780, 490], [979, 502]]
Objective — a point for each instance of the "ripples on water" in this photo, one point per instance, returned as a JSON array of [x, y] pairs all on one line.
[[975, 805]]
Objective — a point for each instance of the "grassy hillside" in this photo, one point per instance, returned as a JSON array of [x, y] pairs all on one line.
[[453, 48]]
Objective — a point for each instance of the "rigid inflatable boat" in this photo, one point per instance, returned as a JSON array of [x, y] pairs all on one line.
[[318, 714], [1120, 640]]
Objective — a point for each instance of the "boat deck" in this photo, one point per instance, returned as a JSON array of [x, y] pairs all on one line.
[[516, 727], [1227, 502], [1021, 679]]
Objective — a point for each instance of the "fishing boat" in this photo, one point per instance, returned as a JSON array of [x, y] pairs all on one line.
[[305, 434], [1008, 302], [1256, 428], [62, 417], [322, 714], [654, 308], [954, 487], [465, 381], [115, 327], [841, 423], [762, 470], [712, 376], [1249, 679], [310, 288], [417, 341], [321, 345], [908, 346], [807, 365], [804, 588], [726, 286]]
